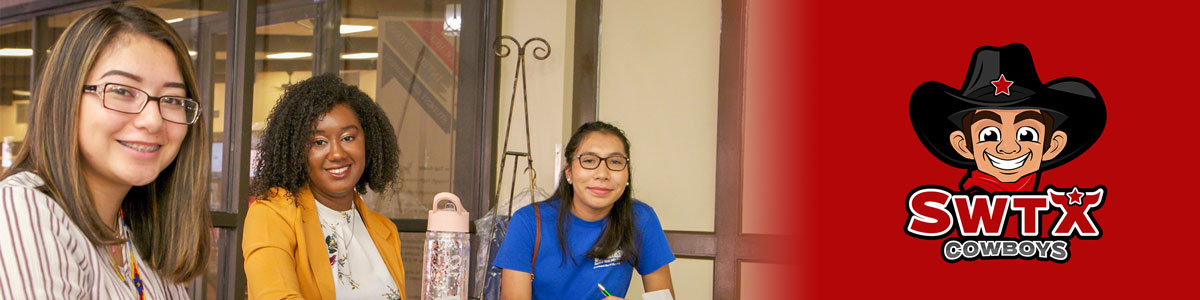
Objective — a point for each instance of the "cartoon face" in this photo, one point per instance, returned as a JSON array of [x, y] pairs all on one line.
[[1008, 144]]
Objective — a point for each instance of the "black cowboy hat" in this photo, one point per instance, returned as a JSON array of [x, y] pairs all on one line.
[[936, 110]]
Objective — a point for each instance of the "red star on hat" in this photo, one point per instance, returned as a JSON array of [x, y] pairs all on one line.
[[1002, 85]]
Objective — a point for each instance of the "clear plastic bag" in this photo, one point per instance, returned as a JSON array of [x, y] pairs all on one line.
[[491, 229]]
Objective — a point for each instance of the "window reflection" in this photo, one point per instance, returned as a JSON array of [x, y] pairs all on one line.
[[196, 22], [413, 76], [212, 282], [16, 52]]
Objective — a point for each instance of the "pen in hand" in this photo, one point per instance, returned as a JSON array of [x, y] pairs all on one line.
[[602, 290]]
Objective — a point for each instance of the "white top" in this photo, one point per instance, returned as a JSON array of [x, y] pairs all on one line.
[[44, 255], [358, 270]]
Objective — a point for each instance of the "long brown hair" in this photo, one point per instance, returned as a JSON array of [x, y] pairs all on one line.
[[169, 217], [621, 232]]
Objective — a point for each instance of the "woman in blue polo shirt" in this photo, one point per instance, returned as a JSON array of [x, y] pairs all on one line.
[[591, 232]]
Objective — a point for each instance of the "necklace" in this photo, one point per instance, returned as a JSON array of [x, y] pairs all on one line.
[[136, 276], [349, 223], [338, 242]]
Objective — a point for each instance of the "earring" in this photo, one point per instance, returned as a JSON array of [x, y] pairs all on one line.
[[568, 181], [626, 183]]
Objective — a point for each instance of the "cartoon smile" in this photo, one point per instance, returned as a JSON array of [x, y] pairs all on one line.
[[1007, 164]]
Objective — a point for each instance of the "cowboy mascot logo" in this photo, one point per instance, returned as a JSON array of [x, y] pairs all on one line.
[[1005, 127]]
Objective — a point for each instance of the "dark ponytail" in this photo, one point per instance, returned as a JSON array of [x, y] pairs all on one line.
[[620, 233]]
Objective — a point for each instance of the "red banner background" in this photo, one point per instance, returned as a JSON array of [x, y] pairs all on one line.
[[843, 154]]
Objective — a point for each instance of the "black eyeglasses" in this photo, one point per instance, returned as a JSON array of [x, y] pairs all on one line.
[[592, 161], [131, 100]]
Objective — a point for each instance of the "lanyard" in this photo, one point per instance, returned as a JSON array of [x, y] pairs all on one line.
[[137, 276]]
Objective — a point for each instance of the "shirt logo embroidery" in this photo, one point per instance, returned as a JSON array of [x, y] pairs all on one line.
[[612, 260]]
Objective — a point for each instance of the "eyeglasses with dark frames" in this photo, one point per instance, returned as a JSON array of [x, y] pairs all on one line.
[[131, 100], [615, 162]]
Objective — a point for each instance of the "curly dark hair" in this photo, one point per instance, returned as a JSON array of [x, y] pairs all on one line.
[[283, 148]]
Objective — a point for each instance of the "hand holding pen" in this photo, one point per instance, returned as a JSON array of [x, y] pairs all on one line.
[[608, 296]]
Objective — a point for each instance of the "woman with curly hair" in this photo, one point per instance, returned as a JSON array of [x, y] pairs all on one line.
[[309, 235]]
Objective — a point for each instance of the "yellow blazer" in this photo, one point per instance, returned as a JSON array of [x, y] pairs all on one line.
[[285, 254]]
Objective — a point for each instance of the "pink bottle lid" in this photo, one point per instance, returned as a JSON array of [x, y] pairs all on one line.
[[456, 220]]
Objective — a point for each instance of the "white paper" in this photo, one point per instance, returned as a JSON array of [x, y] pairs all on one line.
[[658, 295]]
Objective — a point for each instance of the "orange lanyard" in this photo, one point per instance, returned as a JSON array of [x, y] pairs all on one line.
[[137, 276]]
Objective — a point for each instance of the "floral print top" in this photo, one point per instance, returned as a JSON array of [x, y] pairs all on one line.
[[358, 269]]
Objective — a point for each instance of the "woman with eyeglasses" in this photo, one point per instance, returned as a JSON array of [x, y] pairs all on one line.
[[590, 234], [102, 199], [309, 235]]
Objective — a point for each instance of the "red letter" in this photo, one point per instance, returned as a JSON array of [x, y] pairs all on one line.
[[1030, 208], [927, 212], [992, 222], [1076, 211]]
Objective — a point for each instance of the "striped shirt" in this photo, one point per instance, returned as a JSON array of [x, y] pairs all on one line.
[[44, 255]]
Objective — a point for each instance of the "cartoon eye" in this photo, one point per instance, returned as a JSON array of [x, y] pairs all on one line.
[[989, 134], [1027, 134]]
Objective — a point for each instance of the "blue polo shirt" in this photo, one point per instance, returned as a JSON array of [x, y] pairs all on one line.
[[559, 278]]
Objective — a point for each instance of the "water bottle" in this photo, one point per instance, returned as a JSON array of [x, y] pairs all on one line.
[[447, 250]]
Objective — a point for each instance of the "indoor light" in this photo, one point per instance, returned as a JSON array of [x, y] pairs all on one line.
[[361, 55], [16, 52], [288, 55], [348, 29], [453, 23]]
